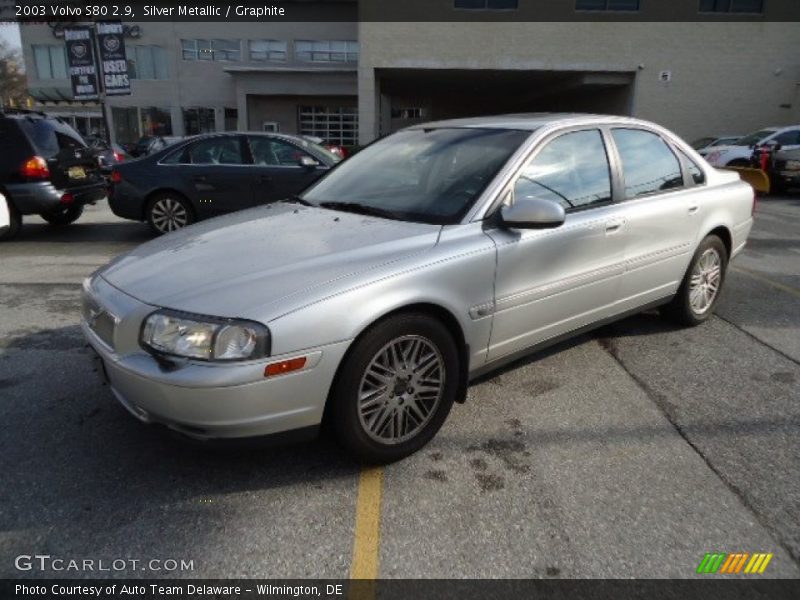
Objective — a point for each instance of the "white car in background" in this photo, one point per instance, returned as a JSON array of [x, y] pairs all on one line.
[[705, 144], [5, 216], [738, 154]]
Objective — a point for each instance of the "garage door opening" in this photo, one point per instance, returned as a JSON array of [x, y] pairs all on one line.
[[409, 96]]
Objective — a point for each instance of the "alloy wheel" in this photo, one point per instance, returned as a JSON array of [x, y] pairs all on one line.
[[705, 281], [401, 389], [169, 214]]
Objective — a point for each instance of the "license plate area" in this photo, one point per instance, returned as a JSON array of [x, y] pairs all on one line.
[[76, 173]]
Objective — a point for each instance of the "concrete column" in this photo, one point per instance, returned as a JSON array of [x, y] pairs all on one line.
[[368, 106], [219, 119], [241, 107], [177, 120]]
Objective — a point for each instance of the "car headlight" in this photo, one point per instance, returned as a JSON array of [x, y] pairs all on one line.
[[792, 165], [204, 338]]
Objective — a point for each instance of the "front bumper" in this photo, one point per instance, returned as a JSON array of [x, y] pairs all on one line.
[[204, 400], [42, 196]]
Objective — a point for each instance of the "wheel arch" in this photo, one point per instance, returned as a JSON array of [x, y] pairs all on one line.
[[436, 311], [160, 192], [723, 233]]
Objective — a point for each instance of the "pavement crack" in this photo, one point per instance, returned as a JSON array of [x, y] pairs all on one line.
[[610, 346], [757, 339]]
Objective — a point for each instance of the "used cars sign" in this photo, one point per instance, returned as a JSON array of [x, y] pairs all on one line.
[[113, 64]]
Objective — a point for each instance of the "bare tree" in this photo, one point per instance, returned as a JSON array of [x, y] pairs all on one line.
[[13, 85]]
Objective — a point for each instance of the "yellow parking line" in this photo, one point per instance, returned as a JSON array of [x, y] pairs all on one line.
[[776, 284], [366, 544]]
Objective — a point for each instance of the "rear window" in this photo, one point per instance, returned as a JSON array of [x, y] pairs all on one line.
[[49, 137]]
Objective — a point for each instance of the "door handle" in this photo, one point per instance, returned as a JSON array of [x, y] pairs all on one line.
[[613, 226], [265, 179], [693, 209], [199, 178]]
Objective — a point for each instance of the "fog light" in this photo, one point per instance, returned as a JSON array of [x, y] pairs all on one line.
[[285, 366]]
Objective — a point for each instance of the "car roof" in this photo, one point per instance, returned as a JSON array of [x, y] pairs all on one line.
[[529, 121]]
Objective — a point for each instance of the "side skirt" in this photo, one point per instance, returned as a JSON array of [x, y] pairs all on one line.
[[515, 356]]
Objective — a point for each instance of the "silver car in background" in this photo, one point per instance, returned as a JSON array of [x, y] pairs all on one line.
[[430, 257]]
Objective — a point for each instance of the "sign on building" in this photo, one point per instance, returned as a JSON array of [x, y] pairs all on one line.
[[113, 64], [80, 58]]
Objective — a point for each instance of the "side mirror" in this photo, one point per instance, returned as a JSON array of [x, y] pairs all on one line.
[[532, 213], [308, 162], [773, 145]]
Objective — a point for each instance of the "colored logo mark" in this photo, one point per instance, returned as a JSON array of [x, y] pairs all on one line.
[[738, 562]]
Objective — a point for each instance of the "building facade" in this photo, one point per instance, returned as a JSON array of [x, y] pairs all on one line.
[[700, 67], [189, 78]]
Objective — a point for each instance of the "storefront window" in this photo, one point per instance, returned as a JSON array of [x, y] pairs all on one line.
[[156, 121], [198, 120], [126, 126]]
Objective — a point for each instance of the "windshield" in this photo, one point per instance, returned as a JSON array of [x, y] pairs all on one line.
[[423, 175], [755, 138]]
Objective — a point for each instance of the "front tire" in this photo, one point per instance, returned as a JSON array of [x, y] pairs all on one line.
[[395, 388], [699, 292], [169, 212], [63, 216]]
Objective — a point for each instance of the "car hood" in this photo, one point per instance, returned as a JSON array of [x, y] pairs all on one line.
[[263, 262]]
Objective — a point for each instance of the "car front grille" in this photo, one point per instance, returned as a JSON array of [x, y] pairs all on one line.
[[99, 320]]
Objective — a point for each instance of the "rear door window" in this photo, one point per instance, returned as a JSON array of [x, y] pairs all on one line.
[[695, 172], [648, 164]]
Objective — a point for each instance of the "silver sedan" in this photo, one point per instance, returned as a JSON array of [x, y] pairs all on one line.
[[437, 254]]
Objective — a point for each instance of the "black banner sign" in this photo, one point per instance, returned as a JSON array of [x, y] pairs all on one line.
[[113, 64], [80, 58]]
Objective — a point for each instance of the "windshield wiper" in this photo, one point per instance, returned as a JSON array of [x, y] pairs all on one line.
[[363, 209], [295, 199]]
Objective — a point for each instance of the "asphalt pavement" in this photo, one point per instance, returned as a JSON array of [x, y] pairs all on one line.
[[629, 452]]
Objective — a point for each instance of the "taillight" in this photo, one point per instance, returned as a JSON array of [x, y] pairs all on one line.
[[119, 157], [116, 176], [35, 168], [67, 198]]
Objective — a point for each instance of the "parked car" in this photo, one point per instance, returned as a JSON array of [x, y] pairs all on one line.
[[107, 155], [336, 149], [785, 171], [212, 174], [704, 144], [738, 154], [432, 256], [45, 169]]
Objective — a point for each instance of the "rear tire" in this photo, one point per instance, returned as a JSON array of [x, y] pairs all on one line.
[[168, 212], [395, 388], [699, 292], [14, 221], [63, 216]]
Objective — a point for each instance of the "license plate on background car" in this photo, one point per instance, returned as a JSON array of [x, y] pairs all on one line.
[[76, 173]]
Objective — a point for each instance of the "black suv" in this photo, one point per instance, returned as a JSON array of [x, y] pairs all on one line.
[[45, 169]]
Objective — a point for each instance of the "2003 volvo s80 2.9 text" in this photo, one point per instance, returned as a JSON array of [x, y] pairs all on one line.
[[434, 255]]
